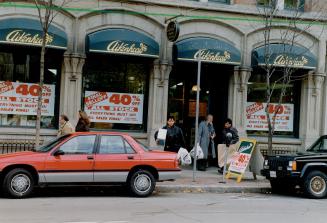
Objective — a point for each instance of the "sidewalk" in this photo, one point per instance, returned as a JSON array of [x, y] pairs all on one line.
[[209, 182]]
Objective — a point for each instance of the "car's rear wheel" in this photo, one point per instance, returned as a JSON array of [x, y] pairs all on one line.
[[18, 183], [141, 183], [315, 184]]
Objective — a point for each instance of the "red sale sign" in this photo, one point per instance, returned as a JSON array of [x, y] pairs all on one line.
[[21, 98], [112, 107]]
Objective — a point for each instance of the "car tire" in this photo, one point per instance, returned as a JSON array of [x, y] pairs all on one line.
[[141, 183], [18, 183], [315, 184]]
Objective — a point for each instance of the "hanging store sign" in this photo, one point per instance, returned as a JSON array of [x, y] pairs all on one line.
[[111, 107], [172, 31], [29, 32], [256, 118], [209, 49], [284, 55], [122, 41], [21, 98]]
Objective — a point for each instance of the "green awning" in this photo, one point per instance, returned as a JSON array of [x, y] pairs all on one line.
[[29, 32], [211, 50], [122, 41], [284, 55]]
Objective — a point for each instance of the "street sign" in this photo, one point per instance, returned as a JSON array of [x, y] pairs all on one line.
[[172, 31]]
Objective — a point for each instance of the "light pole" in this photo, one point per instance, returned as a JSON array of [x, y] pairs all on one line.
[[197, 115]]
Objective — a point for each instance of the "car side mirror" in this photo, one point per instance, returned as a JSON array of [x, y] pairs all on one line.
[[59, 153]]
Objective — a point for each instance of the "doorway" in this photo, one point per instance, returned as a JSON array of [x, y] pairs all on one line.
[[213, 96]]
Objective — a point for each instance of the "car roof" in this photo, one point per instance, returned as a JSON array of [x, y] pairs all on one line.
[[100, 133]]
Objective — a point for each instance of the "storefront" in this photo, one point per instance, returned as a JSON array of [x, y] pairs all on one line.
[[116, 79], [286, 62], [218, 59], [20, 41]]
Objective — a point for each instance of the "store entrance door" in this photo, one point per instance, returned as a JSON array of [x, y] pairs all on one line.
[[213, 96]]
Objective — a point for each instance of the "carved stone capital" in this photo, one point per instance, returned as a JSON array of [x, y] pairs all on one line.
[[241, 77], [73, 65], [316, 81], [162, 71]]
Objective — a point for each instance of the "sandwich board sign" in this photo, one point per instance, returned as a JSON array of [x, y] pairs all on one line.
[[241, 159]]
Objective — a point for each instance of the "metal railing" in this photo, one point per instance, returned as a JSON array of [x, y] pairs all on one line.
[[16, 145]]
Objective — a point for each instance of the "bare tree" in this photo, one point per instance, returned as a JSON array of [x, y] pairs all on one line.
[[47, 11], [280, 74]]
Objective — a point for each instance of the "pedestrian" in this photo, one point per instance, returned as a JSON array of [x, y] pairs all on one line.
[[232, 144], [206, 135], [174, 137], [65, 127], [83, 124]]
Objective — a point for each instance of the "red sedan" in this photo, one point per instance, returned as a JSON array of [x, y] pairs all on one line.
[[87, 158]]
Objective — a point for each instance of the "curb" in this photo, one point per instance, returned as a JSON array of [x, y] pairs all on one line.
[[210, 189]]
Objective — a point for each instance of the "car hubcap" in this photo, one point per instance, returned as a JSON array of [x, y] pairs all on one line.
[[318, 185], [20, 184], [142, 183]]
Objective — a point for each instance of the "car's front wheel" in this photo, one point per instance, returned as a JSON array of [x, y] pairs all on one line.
[[18, 183], [142, 183], [315, 184]]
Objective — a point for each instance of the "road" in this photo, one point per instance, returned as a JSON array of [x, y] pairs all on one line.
[[101, 207]]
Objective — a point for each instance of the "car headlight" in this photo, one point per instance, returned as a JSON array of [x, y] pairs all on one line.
[[292, 165]]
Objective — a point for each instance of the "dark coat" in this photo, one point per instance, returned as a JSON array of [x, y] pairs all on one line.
[[174, 138], [82, 126], [235, 137]]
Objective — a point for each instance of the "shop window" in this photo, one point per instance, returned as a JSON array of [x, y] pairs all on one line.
[[220, 1], [287, 119], [19, 76], [116, 91], [283, 4]]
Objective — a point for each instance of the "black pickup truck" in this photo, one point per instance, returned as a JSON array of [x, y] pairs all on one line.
[[308, 170]]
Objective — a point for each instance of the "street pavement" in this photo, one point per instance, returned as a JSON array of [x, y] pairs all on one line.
[[211, 181], [163, 208]]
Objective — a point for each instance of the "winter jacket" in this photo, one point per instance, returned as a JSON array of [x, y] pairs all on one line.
[[82, 126]]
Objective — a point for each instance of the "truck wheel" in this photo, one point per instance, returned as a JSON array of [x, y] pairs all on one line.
[[315, 184], [141, 183], [18, 183]]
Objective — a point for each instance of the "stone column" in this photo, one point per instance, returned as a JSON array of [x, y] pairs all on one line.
[[71, 86], [158, 98], [238, 98], [311, 107]]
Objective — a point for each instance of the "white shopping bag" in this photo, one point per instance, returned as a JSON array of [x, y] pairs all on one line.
[[184, 157], [162, 133], [199, 152]]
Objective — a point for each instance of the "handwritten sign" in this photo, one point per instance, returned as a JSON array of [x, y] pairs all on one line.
[[114, 107], [21, 98], [256, 118]]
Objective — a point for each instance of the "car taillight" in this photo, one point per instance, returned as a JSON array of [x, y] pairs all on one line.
[[176, 162]]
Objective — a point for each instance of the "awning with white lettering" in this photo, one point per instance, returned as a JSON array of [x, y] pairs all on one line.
[[284, 55], [122, 41], [29, 32], [211, 50]]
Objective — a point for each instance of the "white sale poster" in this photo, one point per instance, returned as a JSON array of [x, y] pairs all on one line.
[[112, 107], [21, 98], [256, 118]]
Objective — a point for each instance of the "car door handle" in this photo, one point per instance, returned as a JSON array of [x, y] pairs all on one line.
[[90, 157], [130, 157]]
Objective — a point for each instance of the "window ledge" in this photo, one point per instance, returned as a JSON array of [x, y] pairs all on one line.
[[278, 140]]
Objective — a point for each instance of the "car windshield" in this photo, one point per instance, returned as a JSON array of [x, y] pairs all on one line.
[[50, 144], [319, 146], [144, 147]]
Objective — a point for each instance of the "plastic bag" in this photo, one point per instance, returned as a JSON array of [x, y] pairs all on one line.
[[199, 152], [184, 157]]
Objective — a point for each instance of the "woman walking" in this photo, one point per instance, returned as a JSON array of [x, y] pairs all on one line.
[[83, 124]]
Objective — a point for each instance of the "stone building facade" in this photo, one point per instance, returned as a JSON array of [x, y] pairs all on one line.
[[83, 64]]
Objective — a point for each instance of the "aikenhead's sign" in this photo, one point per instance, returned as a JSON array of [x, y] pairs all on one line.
[[211, 56], [289, 61], [20, 36], [118, 46], [172, 31]]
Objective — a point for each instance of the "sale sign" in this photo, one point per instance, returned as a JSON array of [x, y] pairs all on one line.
[[114, 107], [256, 118], [21, 98], [241, 159]]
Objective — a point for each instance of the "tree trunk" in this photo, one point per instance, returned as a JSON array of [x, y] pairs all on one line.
[[39, 102]]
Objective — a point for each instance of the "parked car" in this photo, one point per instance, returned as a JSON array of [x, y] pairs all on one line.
[[308, 170], [87, 158]]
